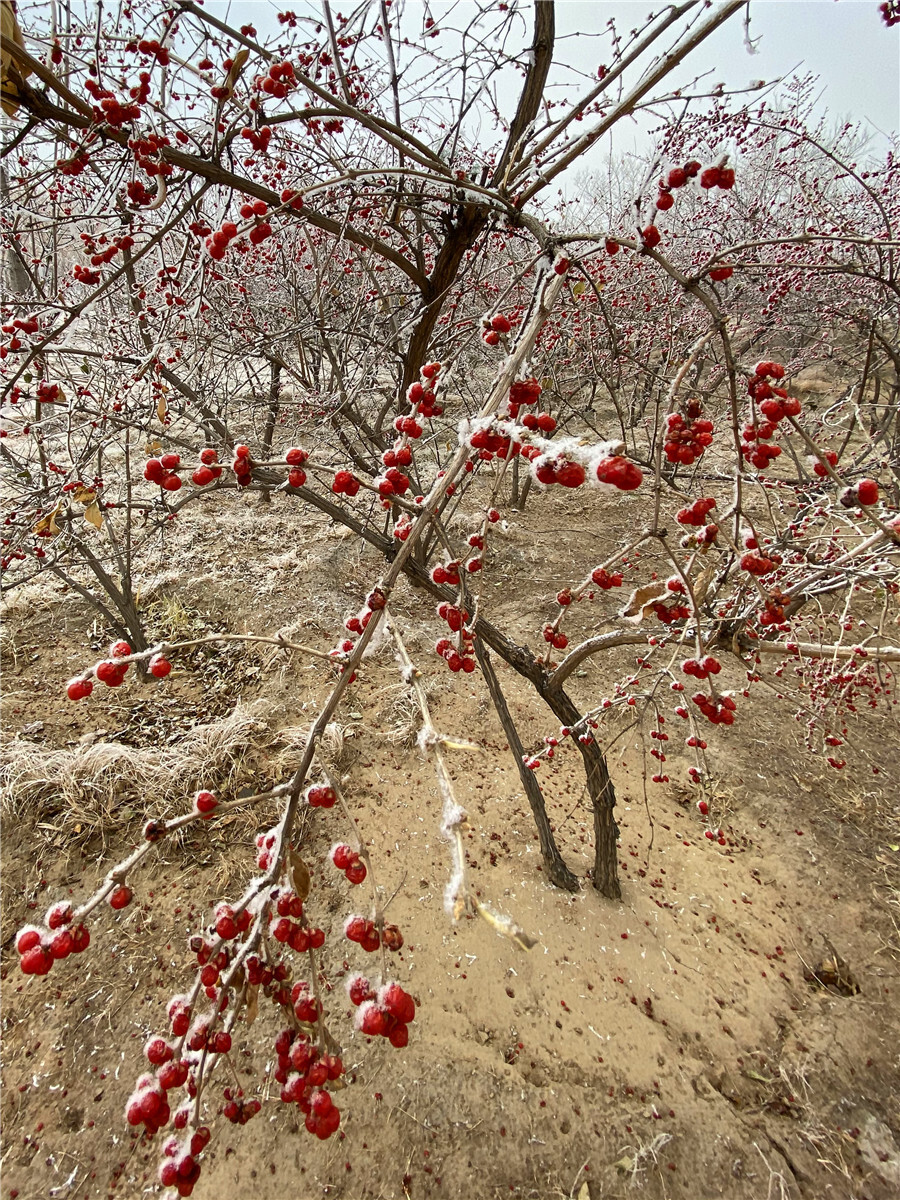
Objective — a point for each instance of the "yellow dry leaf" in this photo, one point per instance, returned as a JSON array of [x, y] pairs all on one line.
[[9, 73], [580, 288], [93, 515], [162, 409], [237, 65], [702, 582], [84, 495], [49, 522], [251, 1010], [640, 602]]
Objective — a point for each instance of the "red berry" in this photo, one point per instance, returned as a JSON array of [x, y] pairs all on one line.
[[159, 666], [867, 491], [77, 689], [36, 961], [121, 897], [27, 939], [356, 872]]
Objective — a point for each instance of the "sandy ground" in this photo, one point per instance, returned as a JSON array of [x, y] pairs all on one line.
[[666, 1045]]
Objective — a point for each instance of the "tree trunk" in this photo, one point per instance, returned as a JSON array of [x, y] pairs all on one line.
[[557, 871]]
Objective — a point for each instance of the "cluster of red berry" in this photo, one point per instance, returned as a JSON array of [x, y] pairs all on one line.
[[701, 668], [557, 640], [19, 325], [152, 46], [385, 1013], [100, 258], [619, 472], [261, 228], [772, 612], [697, 512], [39, 947], [492, 327], [393, 483], [363, 931], [775, 404], [458, 656], [258, 138], [180, 1167], [422, 394], [345, 484], [279, 82], [209, 468], [109, 110], [85, 276], [112, 671], [549, 469], [670, 613], [490, 441], [603, 579], [346, 859], [321, 795], [162, 471], [522, 392], [718, 711], [756, 563], [685, 442], [302, 1072], [148, 153]]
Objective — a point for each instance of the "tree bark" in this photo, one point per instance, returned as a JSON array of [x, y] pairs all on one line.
[[557, 871]]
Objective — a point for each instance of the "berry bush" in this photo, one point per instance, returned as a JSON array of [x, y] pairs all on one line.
[[284, 261]]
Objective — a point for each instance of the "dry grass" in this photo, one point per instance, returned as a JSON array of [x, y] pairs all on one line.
[[92, 787], [401, 713]]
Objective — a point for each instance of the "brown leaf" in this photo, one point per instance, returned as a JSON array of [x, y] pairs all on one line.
[[93, 515], [251, 1010], [298, 872], [49, 522], [162, 409], [702, 582], [84, 495], [640, 602], [237, 65], [10, 34]]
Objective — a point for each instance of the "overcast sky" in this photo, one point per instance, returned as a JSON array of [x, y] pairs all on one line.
[[845, 42]]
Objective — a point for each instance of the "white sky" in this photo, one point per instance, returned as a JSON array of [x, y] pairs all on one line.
[[845, 42]]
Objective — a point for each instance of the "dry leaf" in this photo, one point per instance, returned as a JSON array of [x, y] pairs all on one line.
[[152, 447], [93, 515], [237, 65], [579, 288], [298, 872], [49, 522], [84, 495], [162, 409], [702, 582], [251, 1010], [584, 1192], [9, 29], [640, 602], [625, 1165]]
